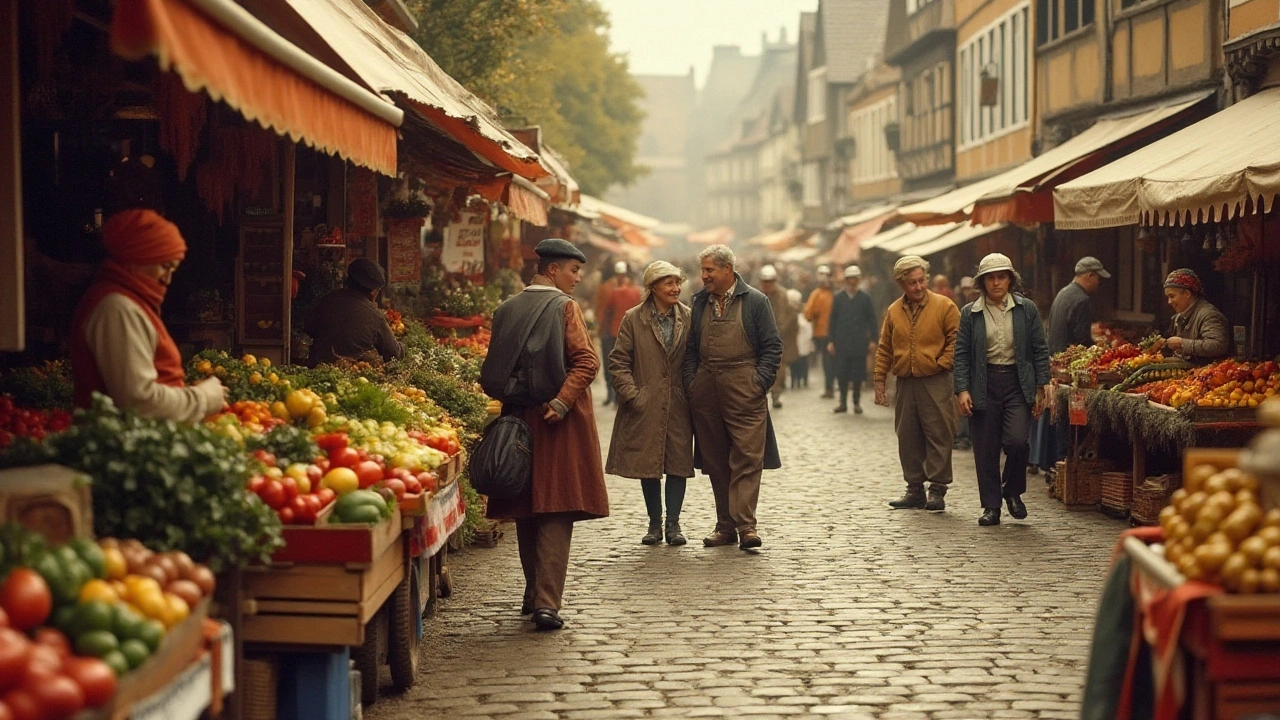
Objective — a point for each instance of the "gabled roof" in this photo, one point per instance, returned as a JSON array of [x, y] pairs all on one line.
[[849, 32]]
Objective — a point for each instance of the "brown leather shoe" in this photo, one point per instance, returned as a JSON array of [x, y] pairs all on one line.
[[719, 538], [749, 540]]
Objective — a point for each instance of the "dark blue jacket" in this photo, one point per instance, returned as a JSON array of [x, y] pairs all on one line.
[[1030, 351]]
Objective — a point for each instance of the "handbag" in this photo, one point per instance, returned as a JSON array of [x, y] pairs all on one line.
[[502, 464]]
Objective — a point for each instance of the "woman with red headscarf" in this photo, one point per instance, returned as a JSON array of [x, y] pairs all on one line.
[[119, 345], [1199, 333]]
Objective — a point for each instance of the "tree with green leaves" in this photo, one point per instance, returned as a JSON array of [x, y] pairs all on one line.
[[548, 63]]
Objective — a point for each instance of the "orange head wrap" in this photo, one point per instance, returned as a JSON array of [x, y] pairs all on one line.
[[142, 237]]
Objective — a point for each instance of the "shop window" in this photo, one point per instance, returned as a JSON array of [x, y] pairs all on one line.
[[998, 58], [1055, 18]]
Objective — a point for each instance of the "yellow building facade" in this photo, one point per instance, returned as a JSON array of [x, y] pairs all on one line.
[[994, 87]]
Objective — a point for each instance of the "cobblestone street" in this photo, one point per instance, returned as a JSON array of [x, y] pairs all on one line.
[[850, 610]]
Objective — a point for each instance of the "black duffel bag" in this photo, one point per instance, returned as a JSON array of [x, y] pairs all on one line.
[[502, 464]]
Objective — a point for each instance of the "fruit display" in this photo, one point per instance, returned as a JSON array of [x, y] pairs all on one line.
[[396, 320], [75, 618], [362, 506], [1147, 376], [1226, 384], [1216, 531]]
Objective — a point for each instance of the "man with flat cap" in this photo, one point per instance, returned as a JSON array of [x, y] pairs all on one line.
[[347, 323], [567, 483]]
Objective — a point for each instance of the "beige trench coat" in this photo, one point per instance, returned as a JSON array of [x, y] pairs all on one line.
[[653, 433]]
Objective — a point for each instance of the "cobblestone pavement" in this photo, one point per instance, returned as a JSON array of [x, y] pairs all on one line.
[[851, 610]]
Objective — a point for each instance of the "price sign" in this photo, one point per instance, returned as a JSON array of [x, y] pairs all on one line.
[[464, 244]]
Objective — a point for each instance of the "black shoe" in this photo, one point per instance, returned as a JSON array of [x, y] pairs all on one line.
[[857, 408], [547, 619], [1016, 508], [908, 501], [654, 536], [841, 409], [990, 516], [674, 535], [937, 500]]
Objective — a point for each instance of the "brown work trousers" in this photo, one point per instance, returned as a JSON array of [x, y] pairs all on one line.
[[925, 418], [544, 556], [730, 419]]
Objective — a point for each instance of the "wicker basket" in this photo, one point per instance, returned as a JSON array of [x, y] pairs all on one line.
[[260, 680], [1058, 486], [1115, 493], [1083, 483], [1151, 496], [488, 535]]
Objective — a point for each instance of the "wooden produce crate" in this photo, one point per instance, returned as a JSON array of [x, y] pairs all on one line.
[[321, 603], [1115, 493], [326, 542], [50, 500], [451, 469], [182, 645], [1235, 643], [414, 506]]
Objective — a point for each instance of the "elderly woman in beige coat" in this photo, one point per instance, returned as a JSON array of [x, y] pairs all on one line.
[[653, 433]]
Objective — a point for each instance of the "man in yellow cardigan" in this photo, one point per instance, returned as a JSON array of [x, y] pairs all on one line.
[[918, 345]]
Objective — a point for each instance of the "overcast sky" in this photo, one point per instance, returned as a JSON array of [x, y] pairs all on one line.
[[666, 37]]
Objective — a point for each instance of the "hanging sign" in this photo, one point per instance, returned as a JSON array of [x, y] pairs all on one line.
[[464, 244], [404, 250]]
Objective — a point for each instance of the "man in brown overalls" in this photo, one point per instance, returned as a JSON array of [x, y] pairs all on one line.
[[731, 361]]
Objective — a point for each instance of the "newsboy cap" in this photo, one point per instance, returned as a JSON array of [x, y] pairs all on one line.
[[556, 248], [1092, 264], [367, 274]]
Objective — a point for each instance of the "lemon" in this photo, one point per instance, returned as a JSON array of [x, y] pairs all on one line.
[[99, 590]]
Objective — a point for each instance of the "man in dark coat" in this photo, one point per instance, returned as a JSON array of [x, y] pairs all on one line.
[[853, 334], [347, 323], [567, 483], [731, 362]]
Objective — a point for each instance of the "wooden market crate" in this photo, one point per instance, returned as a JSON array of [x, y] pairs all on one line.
[[50, 500], [1083, 483], [182, 644], [1237, 656], [325, 542], [320, 603]]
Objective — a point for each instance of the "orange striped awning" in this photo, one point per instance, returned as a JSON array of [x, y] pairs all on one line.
[[216, 47]]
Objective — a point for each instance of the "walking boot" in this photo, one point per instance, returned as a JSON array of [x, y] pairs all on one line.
[[990, 516], [720, 537], [654, 536], [674, 536], [913, 499], [748, 539], [857, 408], [843, 407], [937, 495]]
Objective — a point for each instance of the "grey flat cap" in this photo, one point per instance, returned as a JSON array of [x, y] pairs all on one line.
[[1089, 263], [367, 274], [553, 248]]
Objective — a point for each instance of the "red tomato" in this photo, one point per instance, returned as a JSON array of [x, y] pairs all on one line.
[[95, 678], [326, 495], [368, 473], [362, 453], [397, 486], [273, 494], [344, 457], [43, 661], [15, 653], [301, 510], [5, 712], [25, 597], [314, 473], [290, 488], [59, 696], [24, 705], [265, 457], [255, 484], [49, 637], [322, 464], [286, 515], [412, 486], [331, 441], [428, 480]]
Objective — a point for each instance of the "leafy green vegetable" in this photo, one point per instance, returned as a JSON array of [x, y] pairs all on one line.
[[172, 486], [287, 442]]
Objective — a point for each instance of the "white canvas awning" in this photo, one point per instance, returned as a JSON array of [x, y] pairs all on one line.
[[955, 238], [1208, 171]]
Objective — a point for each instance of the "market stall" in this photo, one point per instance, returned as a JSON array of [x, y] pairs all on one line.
[[1189, 621]]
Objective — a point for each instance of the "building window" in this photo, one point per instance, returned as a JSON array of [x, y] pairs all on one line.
[[817, 98], [1055, 18], [872, 160], [812, 182], [915, 5], [997, 58]]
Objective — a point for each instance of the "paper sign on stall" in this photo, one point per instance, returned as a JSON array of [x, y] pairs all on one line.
[[464, 244]]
